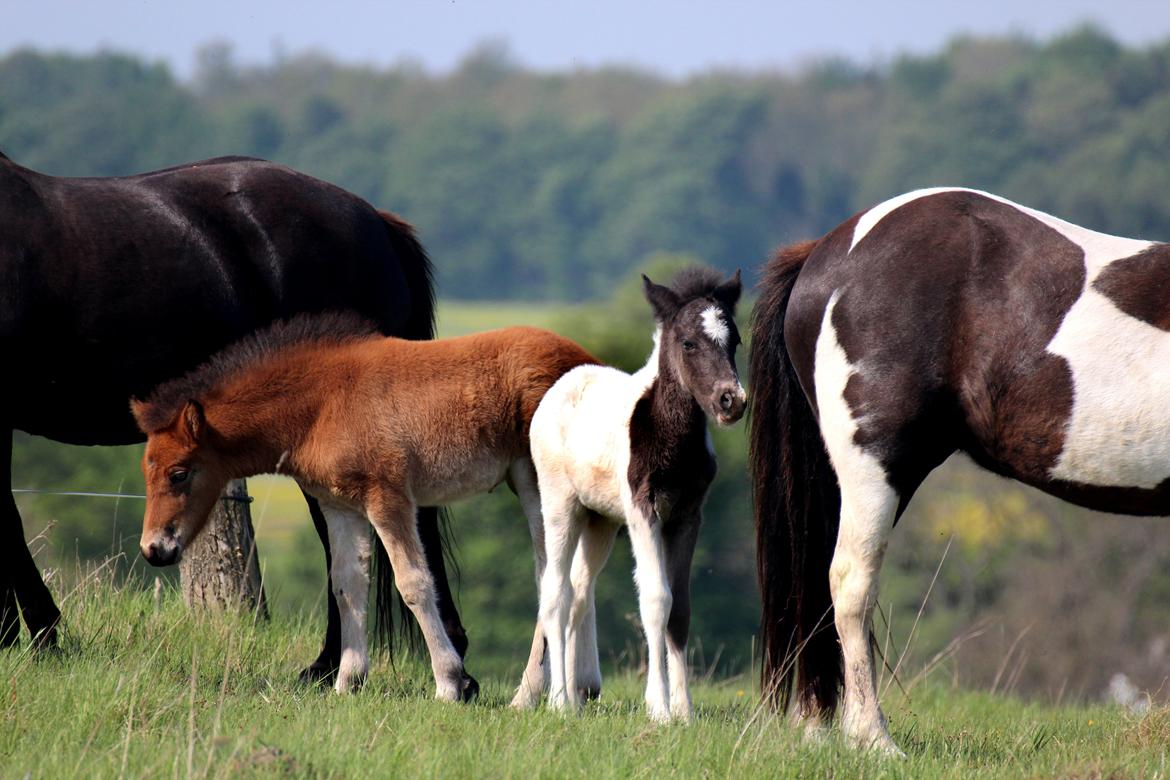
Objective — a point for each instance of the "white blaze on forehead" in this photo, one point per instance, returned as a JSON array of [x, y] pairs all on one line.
[[715, 326]]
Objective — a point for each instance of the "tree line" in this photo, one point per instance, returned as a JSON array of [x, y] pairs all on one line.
[[551, 186]]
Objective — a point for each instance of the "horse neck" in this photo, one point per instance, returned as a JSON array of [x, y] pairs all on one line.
[[263, 417], [676, 416]]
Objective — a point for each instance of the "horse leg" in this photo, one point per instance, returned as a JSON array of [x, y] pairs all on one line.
[[680, 536], [349, 582], [582, 664], [654, 605], [393, 516], [522, 480], [432, 543], [324, 669], [563, 522], [868, 507], [21, 580]]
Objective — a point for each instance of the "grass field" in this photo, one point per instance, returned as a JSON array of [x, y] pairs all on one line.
[[143, 688]]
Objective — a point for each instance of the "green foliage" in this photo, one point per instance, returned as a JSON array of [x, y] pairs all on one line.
[[551, 186]]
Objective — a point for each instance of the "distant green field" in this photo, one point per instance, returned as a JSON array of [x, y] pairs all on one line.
[[145, 689], [457, 318]]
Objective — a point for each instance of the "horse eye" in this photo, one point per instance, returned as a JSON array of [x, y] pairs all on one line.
[[179, 476], [689, 345]]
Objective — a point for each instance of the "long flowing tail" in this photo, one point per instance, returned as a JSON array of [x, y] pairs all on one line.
[[420, 326], [797, 507]]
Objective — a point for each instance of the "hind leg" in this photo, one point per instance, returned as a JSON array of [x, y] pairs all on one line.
[[349, 579], [564, 519], [522, 479], [582, 666], [393, 516], [868, 506], [325, 667]]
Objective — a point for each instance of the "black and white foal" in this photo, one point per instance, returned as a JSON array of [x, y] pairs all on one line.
[[611, 448], [942, 320]]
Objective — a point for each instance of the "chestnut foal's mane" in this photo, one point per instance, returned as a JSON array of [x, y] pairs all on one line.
[[329, 329]]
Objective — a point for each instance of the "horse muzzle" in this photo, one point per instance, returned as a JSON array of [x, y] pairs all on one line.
[[163, 551], [732, 403]]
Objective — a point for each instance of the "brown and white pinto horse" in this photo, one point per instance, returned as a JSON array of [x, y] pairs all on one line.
[[943, 320], [372, 427]]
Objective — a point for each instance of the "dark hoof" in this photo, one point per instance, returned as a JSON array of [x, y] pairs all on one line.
[[469, 688], [319, 673], [590, 693], [45, 638]]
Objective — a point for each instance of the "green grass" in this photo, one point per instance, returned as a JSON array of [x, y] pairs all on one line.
[[146, 689]]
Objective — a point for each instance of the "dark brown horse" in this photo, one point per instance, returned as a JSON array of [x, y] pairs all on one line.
[[940, 321], [110, 286], [373, 428]]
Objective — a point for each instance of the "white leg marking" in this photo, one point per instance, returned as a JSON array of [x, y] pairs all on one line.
[[654, 602], [349, 543], [868, 504]]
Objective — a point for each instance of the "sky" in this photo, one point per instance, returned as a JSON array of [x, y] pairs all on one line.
[[676, 38]]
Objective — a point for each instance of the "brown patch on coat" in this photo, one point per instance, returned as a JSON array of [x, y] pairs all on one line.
[[1140, 286]]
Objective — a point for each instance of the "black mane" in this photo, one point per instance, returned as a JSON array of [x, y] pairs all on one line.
[[694, 283], [328, 329]]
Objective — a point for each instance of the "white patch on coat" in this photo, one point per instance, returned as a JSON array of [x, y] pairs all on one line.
[[1118, 434], [715, 326], [868, 505]]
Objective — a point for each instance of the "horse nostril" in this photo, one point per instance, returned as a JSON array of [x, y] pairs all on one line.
[[725, 401]]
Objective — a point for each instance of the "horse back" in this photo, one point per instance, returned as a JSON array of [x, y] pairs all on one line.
[[969, 322], [138, 279]]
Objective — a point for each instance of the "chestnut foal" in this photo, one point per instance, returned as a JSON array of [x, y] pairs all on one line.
[[372, 427]]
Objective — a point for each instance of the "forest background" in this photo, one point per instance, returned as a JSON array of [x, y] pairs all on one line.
[[541, 196]]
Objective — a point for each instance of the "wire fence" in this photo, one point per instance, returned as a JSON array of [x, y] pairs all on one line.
[[97, 494]]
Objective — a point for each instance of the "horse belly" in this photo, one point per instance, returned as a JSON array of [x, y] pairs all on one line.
[[444, 483], [1118, 432]]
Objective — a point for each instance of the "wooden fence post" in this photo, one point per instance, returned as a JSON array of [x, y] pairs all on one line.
[[219, 570]]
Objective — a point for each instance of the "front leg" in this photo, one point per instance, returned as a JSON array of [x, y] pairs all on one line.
[[680, 537], [21, 581], [349, 540], [654, 603], [393, 516]]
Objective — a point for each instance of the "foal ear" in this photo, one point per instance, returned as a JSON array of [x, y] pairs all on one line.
[[662, 299], [138, 409], [728, 292], [193, 420]]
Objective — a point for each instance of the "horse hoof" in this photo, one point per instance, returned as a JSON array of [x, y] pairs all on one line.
[[45, 638], [590, 693], [468, 688], [318, 673]]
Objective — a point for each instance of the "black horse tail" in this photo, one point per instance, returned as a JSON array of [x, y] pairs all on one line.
[[432, 521], [797, 506]]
